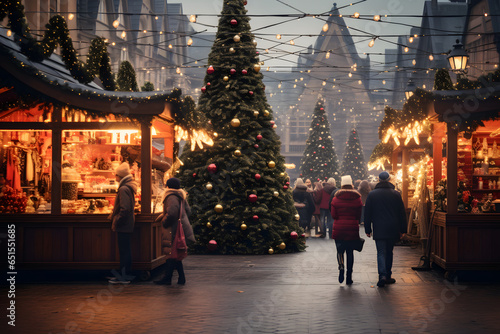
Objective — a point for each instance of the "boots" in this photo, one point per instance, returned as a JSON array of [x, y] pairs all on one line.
[[348, 279], [169, 270], [180, 270]]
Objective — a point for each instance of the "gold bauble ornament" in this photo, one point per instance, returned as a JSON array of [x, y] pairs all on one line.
[[235, 122], [276, 194], [282, 174], [237, 153], [297, 217], [282, 246], [266, 113], [271, 164], [232, 50], [243, 227], [209, 225], [256, 68], [226, 78], [236, 38], [218, 208], [256, 113], [209, 186], [271, 251]]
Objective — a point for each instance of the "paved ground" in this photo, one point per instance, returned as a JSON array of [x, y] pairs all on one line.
[[293, 293]]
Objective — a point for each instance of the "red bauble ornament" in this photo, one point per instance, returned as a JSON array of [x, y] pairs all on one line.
[[203, 89], [250, 92], [259, 137], [194, 174], [244, 72], [257, 176], [287, 183], [314, 152], [302, 235], [245, 2], [285, 187], [255, 217], [256, 146], [234, 22], [208, 83], [294, 235], [252, 198], [321, 109], [232, 71], [212, 245], [322, 147], [210, 69], [212, 168]]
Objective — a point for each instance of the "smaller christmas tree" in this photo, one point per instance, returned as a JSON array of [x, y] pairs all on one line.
[[320, 161], [354, 163], [126, 78]]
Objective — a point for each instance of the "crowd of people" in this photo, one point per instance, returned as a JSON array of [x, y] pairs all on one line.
[[337, 213]]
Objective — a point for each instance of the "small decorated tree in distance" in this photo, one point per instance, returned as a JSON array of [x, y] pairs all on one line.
[[319, 161], [354, 162], [238, 189]]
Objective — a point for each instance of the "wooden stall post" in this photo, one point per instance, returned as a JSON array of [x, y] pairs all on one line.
[[146, 167], [56, 190], [451, 154], [404, 166]]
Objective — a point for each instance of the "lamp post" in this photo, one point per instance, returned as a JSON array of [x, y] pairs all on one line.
[[410, 88], [459, 59]]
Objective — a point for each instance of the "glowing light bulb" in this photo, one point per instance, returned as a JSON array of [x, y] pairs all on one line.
[[292, 42], [116, 23], [9, 33], [170, 46], [414, 62], [371, 43], [192, 18], [71, 16], [323, 83], [178, 70], [278, 36], [431, 57], [407, 49], [124, 34], [350, 74], [325, 27], [356, 15], [327, 55], [376, 18], [383, 82], [410, 39], [190, 42]]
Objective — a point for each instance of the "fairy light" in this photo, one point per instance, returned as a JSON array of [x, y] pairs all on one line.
[[116, 24], [356, 15], [278, 36], [350, 75], [410, 39], [407, 49], [431, 57], [376, 18], [71, 16], [371, 43], [124, 34], [190, 42], [178, 70], [9, 33], [192, 18], [292, 42], [327, 55], [325, 27]]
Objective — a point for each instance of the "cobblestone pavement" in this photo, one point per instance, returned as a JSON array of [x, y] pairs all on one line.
[[292, 293]]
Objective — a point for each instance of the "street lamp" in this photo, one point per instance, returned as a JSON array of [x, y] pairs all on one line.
[[458, 58], [410, 88]]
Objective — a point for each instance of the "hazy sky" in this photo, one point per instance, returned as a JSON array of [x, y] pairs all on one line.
[[311, 25]]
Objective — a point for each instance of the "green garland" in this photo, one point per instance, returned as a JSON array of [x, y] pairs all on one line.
[[57, 33], [381, 150]]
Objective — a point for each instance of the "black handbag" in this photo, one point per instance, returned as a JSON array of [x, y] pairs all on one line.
[[358, 244]]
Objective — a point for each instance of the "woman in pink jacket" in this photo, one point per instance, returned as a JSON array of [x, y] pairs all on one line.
[[346, 212]]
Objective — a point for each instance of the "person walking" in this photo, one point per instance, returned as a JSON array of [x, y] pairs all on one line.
[[364, 189], [304, 203], [346, 211], [319, 227], [174, 198], [385, 218], [327, 194], [123, 221]]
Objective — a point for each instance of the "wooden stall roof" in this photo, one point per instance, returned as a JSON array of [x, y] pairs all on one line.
[[51, 79]]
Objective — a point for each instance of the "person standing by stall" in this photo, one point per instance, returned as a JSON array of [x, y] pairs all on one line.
[[346, 211], [175, 207], [385, 217], [304, 203], [123, 221]]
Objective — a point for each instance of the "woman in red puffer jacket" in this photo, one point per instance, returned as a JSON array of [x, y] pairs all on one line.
[[346, 212]]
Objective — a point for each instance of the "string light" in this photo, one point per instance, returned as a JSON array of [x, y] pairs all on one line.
[[410, 39], [116, 24], [327, 55], [292, 42], [371, 43], [407, 49], [431, 57], [323, 83], [9, 33], [325, 27], [278, 36], [71, 16], [376, 18], [350, 74], [356, 15], [124, 34], [190, 42], [193, 18]]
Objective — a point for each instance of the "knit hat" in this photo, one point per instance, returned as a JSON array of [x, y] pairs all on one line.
[[299, 182], [346, 180], [384, 176], [332, 182], [123, 170], [174, 183]]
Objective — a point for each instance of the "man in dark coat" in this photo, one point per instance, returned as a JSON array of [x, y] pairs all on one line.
[[385, 211], [304, 203], [123, 220]]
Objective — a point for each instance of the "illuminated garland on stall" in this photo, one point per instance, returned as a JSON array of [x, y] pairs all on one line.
[[381, 154]]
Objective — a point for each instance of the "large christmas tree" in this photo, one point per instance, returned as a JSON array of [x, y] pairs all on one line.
[[354, 162], [238, 189], [320, 160]]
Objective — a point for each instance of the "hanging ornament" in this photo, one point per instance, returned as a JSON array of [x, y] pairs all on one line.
[[244, 72], [257, 176], [208, 84], [271, 164], [276, 194], [232, 50], [271, 251], [294, 235], [255, 218], [271, 122], [252, 198], [243, 226], [255, 113], [218, 208], [212, 168], [256, 146], [287, 183], [285, 187], [259, 137], [275, 126], [266, 113], [212, 245], [234, 22], [194, 174], [209, 186], [256, 68], [237, 153], [282, 174], [210, 69], [226, 78], [232, 71], [203, 89], [282, 246], [236, 38], [297, 217], [250, 92], [209, 225], [245, 2], [235, 123]]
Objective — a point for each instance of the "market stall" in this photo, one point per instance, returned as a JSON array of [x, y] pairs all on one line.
[[60, 141]]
